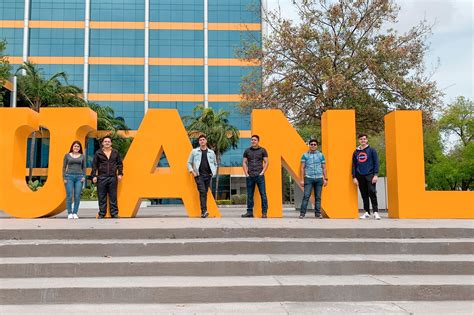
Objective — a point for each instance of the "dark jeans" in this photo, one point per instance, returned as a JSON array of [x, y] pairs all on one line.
[[203, 182], [107, 186], [309, 185], [260, 182], [368, 190], [73, 188]]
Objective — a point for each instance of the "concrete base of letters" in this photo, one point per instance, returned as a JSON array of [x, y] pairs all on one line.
[[163, 262]]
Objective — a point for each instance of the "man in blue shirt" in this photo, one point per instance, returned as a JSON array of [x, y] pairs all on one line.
[[314, 176], [365, 170]]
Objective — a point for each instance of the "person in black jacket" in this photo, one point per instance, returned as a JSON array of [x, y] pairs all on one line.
[[107, 170], [365, 170]]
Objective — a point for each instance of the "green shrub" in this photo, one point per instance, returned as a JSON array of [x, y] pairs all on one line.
[[34, 185], [239, 199], [224, 202], [89, 193]]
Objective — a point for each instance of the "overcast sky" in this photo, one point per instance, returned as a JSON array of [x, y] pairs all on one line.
[[452, 42]]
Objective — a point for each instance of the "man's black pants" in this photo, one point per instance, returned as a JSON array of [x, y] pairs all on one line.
[[203, 182], [368, 190], [107, 186]]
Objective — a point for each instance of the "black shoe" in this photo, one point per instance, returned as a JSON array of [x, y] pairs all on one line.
[[264, 215], [204, 215], [247, 215], [318, 216], [100, 217], [115, 216], [301, 216]]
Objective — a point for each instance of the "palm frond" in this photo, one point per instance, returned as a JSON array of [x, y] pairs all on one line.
[[221, 135]]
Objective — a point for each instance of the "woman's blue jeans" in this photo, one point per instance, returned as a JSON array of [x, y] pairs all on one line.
[[73, 190]]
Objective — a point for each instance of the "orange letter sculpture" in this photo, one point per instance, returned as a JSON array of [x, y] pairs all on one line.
[[407, 197], [65, 125], [284, 145], [161, 130], [339, 198]]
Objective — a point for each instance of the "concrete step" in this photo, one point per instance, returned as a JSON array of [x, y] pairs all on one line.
[[227, 246], [236, 265], [235, 289], [232, 260], [274, 308], [96, 231], [185, 228]]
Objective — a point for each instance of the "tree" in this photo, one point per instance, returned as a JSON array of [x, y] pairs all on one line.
[[4, 68], [443, 175], [342, 54], [467, 167], [308, 131], [37, 91], [221, 136], [458, 119], [453, 170], [107, 121], [463, 157]]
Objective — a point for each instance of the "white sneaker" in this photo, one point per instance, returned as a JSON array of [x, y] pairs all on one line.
[[70, 216], [365, 216], [75, 216], [377, 216]]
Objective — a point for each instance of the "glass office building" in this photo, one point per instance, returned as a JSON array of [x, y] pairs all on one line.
[[134, 55]]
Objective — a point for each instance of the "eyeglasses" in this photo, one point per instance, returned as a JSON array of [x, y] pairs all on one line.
[[313, 144]]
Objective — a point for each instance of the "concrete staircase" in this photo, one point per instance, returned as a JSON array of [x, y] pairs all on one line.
[[235, 263]]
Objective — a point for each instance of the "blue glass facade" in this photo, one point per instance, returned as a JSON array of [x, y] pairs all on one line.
[[233, 158], [117, 43], [12, 10], [177, 11], [226, 80], [176, 44], [234, 11], [236, 117], [115, 57], [118, 10], [75, 73], [132, 112], [226, 44], [14, 39], [116, 79], [176, 80], [184, 108], [56, 10], [56, 42]]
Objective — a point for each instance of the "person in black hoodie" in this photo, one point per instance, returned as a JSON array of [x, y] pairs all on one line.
[[365, 170], [107, 170]]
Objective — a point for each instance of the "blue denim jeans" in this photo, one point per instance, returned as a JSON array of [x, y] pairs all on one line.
[[259, 181], [73, 189], [309, 185]]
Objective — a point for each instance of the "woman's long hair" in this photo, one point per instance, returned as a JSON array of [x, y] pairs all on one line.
[[80, 147]]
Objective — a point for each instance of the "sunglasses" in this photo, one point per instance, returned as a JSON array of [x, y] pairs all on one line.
[[312, 144]]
